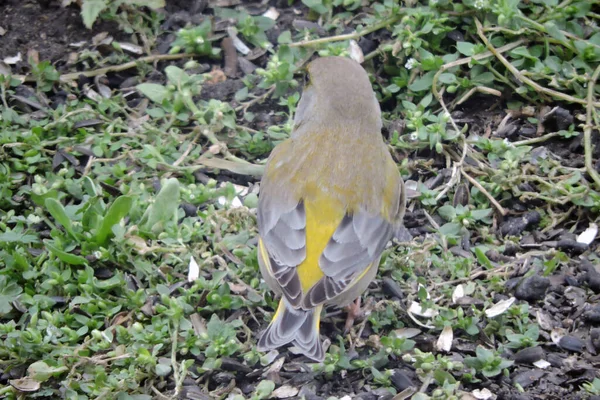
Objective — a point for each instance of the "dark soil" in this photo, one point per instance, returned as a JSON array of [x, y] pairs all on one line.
[[43, 26], [560, 299]]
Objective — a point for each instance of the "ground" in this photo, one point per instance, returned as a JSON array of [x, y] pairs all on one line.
[[131, 153]]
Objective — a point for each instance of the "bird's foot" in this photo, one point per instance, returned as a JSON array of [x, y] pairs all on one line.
[[354, 312]]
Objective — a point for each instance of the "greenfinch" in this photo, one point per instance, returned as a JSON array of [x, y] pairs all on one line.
[[330, 200]]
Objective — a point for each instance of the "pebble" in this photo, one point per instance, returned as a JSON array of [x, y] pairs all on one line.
[[391, 288], [595, 338], [532, 288], [400, 380], [592, 315], [571, 343], [528, 377], [529, 355], [515, 226]]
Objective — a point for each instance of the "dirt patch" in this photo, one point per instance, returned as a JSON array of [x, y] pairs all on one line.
[[44, 26]]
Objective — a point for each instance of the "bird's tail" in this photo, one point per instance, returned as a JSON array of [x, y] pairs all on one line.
[[297, 326]]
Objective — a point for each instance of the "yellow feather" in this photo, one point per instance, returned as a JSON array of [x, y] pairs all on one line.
[[323, 215]]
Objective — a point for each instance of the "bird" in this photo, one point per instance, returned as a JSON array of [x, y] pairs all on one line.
[[330, 199]]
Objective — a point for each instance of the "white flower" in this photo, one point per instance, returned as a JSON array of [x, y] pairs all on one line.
[[410, 63], [480, 4], [414, 136]]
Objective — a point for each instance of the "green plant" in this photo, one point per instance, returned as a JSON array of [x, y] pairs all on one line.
[[527, 339], [196, 40], [91, 9], [487, 363]]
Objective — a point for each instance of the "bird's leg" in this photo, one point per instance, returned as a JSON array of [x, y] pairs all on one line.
[[354, 312]]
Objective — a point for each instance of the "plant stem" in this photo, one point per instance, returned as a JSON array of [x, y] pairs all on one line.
[[587, 130], [348, 36], [521, 77], [112, 68]]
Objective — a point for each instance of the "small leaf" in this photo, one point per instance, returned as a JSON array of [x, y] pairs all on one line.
[[90, 9], [69, 258], [163, 369], [465, 48], [447, 78], [483, 259], [444, 342], [450, 229], [8, 293], [447, 212], [553, 31], [116, 212], [164, 208], [153, 91], [423, 83], [499, 308], [285, 37], [59, 214], [176, 75]]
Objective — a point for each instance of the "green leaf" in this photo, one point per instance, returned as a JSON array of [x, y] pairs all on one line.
[[465, 48], [90, 9], [483, 78], [423, 83], [482, 258], [447, 78], [484, 355], [155, 92], [442, 377], [8, 293], [285, 37], [164, 208], [68, 258], [176, 75], [153, 4], [163, 369], [117, 211], [41, 372], [58, 213], [481, 214], [447, 212], [450, 229], [264, 389]]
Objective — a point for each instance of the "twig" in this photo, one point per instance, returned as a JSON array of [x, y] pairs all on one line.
[[258, 99], [540, 139], [466, 60], [587, 130], [487, 194], [348, 36], [187, 151], [113, 68], [522, 78]]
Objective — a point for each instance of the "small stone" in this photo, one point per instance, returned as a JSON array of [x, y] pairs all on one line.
[[572, 246], [391, 288], [592, 315], [571, 343], [528, 377], [595, 338], [529, 355], [515, 226], [532, 288], [400, 380]]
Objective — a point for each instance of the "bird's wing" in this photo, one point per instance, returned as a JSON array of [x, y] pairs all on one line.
[[356, 243], [283, 245]]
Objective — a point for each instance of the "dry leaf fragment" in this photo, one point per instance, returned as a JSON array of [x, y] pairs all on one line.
[[444, 342], [499, 308], [193, 270]]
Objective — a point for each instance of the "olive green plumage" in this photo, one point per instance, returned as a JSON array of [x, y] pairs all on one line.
[[330, 200]]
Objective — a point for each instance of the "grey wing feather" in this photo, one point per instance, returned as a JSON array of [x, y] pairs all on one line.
[[283, 231], [357, 242]]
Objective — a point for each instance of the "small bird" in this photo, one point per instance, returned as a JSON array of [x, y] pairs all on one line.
[[330, 200]]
